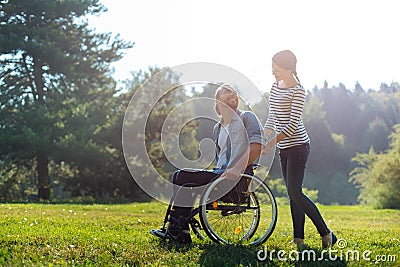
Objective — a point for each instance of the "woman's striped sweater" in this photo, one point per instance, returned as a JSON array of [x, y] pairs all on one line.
[[285, 110]]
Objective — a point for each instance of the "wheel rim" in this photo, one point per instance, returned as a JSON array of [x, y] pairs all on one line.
[[249, 222]]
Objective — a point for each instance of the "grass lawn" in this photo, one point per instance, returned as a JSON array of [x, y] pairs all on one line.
[[118, 235]]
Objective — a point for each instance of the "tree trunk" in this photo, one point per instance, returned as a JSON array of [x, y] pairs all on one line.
[[42, 158], [38, 79], [43, 177]]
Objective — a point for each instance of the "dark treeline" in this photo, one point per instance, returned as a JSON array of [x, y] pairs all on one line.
[[61, 114]]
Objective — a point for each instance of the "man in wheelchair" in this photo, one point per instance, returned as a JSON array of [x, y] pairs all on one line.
[[239, 140]]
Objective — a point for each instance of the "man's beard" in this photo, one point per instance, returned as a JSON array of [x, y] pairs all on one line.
[[233, 104], [230, 105]]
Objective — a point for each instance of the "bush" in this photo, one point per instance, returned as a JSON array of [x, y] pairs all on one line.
[[378, 175]]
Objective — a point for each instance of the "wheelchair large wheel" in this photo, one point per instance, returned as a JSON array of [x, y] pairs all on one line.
[[248, 219]]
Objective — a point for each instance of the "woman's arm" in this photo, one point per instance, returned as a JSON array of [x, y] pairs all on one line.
[[272, 139]]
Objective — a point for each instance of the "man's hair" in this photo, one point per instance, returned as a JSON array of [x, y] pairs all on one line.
[[218, 92], [224, 86]]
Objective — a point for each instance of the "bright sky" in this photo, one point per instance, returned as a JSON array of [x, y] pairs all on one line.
[[337, 41]]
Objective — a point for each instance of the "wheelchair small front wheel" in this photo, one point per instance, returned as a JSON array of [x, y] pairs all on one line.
[[248, 219]]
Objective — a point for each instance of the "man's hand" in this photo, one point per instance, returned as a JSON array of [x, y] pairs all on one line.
[[249, 156], [232, 174]]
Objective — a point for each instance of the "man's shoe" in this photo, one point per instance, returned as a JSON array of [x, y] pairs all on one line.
[[329, 240], [182, 237], [297, 241], [161, 233]]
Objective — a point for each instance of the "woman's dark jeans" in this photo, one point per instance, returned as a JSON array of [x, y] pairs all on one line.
[[293, 163]]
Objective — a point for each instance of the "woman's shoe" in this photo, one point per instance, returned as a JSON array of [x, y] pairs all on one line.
[[329, 240]]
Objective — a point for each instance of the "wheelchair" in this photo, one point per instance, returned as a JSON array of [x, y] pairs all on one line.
[[246, 215]]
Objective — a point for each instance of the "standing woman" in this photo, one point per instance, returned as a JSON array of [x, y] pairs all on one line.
[[286, 102]]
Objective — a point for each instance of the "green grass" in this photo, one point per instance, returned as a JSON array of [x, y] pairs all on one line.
[[118, 235]]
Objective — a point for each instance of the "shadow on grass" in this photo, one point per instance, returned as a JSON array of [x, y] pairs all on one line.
[[230, 255], [235, 255], [173, 246]]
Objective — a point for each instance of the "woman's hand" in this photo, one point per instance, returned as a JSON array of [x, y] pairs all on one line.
[[268, 147]]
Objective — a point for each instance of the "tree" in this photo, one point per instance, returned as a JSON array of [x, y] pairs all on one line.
[[327, 165], [157, 80], [53, 67], [378, 175]]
